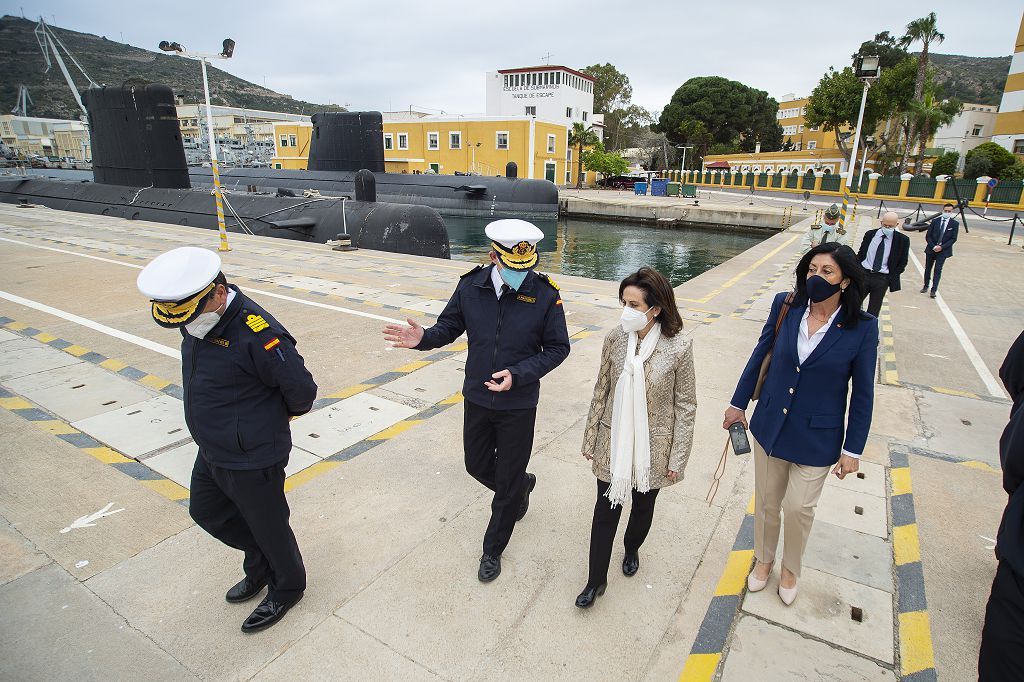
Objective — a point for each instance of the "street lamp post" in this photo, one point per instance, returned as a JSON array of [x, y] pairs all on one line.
[[867, 69], [682, 163], [229, 48]]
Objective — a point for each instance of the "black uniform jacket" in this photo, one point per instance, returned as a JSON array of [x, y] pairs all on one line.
[[523, 332], [898, 254], [242, 383], [1010, 540]]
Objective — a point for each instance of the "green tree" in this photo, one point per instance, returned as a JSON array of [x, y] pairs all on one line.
[[886, 47], [928, 115], [611, 87], [728, 109], [987, 159], [624, 127], [1013, 172], [925, 31], [582, 136], [695, 134], [606, 163], [946, 164]]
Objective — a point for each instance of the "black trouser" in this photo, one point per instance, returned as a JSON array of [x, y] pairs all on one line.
[[606, 521], [1002, 638], [933, 259], [498, 444], [877, 285], [247, 510]]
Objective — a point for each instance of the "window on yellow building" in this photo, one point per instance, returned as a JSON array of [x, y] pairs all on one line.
[[813, 144], [292, 141], [389, 141], [551, 144], [433, 141], [403, 140], [284, 140], [501, 139], [455, 140]]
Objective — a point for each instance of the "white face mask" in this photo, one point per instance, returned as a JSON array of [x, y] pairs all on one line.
[[202, 325], [887, 231], [633, 320]]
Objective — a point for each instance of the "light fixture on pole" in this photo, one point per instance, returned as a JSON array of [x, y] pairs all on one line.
[[228, 50], [867, 69]]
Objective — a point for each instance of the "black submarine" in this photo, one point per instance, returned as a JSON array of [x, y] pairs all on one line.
[[338, 137], [140, 173]]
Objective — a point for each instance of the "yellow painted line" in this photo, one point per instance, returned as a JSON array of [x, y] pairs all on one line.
[[915, 643], [395, 429], [736, 278], [892, 377], [16, 326], [166, 488], [890, 357], [462, 345], [44, 337], [887, 328], [113, 365], [982, 466], [350, 391], [452, 399], [750, 505], [412, 366], [154, 381], [582, 334], [735, 574], [55, 426], [76, 350], [953, 391], [373, 304], [308, 474], [15, 403], [106, 455], [906, 545], [900, 480], [700, 667]]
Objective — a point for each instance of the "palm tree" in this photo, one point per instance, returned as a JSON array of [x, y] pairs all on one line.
[[928, 115], [921, 30], [581, 136]]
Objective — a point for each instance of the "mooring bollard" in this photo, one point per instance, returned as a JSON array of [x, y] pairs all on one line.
[[344, 242]]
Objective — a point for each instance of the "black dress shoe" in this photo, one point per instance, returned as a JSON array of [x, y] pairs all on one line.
[[630, 564], [924, 289], [932, 295], [490, 568], [266, 614], [531, 483], [589, 596], [245, 590]]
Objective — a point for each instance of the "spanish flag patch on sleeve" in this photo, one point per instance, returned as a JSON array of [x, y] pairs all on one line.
[[272, 344]]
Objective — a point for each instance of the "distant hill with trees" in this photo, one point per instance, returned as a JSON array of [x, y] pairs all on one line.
[[978, 80], [109, 62]]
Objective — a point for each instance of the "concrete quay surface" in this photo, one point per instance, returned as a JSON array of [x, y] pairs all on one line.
[[723, 212], [390, 524]]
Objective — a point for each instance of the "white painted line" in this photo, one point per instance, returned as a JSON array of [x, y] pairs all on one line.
[[994, 389], [96, 326], [87, 520], [315, 304]]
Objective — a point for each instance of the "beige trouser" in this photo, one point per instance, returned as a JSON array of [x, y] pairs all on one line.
[[781, 486]]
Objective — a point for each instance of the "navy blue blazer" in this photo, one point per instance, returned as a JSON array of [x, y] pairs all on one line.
[[800, 414], [932, 237]]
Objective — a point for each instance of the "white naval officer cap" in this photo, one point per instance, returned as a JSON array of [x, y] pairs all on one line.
[[515, 242], [176, 283]]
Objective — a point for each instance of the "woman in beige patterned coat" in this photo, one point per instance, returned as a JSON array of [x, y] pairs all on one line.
[[640, 426]]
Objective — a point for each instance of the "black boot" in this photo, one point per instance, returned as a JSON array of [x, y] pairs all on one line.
[[630, 564], [589, 595]]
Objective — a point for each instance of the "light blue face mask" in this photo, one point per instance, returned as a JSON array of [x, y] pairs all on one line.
[[513, 278]]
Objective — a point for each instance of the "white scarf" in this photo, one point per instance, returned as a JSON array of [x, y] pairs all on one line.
[[631, 438]]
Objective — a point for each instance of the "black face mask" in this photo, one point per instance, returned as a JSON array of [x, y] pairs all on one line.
[[819, 288]]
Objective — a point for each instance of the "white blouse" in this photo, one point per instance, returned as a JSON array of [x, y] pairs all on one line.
[[804, 345]]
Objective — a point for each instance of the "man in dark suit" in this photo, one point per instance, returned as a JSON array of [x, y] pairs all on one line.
[[941, 236], [883, 255]]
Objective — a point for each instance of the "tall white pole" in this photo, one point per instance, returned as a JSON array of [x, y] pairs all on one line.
[[853, 161], [863, 165], [213, 164]]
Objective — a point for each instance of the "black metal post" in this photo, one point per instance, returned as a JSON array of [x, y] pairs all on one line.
[[1013, 226]]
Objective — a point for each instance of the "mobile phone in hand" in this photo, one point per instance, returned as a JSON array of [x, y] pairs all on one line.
[[738, 435]]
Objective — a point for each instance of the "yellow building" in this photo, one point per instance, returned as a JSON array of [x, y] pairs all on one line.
[[448, 144], [1009, 127]]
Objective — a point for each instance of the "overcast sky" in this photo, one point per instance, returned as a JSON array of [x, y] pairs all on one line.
[[433, 54]]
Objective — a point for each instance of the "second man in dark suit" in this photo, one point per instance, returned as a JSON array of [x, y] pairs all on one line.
[[941, 236], [883, 255]]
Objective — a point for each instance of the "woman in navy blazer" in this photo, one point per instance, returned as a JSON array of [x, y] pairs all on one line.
[[825, 343]]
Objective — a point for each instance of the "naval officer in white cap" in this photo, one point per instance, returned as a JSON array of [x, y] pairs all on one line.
[[243, 381], [516, 327]]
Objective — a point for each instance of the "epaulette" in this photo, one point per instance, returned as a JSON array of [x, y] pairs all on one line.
[[548, 280], [254, 321], [476, 269]]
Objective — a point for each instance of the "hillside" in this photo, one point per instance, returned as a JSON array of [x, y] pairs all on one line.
[[112, 63], [979, 80]]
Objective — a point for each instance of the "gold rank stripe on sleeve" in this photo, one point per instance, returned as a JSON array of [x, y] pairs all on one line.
[[256, 323], [270, 345]]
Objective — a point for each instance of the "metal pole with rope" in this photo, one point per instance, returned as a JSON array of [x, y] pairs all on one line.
[[866, 69]]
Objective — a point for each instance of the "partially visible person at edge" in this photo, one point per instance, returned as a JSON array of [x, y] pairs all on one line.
[[515, 323], [243, 381], [640, 426], [939, 240], [883, 255], [1002, 638], [824, 343]]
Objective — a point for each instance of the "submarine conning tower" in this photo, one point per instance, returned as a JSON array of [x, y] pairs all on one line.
[[347, 141], [136, 141]]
